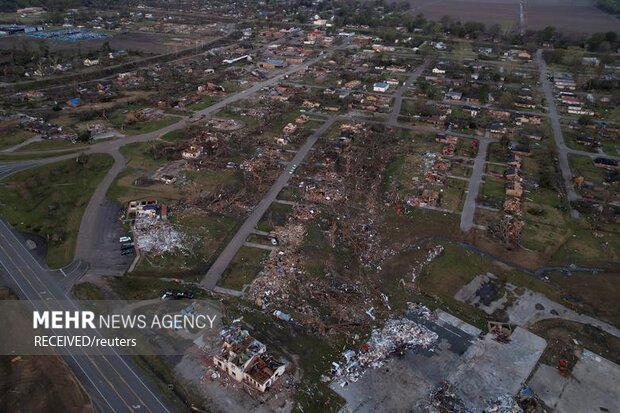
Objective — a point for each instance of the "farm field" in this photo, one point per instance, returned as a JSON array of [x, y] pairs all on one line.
[[577, 16]]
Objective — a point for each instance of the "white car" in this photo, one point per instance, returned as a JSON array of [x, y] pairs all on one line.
[[124, 239]]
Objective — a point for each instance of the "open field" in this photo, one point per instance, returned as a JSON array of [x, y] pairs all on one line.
[[151, 43], [50, 200], [577, 16], [13, 136]]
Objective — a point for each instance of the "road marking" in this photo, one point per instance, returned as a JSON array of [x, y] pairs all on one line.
[[89, 358]]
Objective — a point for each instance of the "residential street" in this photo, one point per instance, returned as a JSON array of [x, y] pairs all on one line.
[[469, 207], [557, 129], [398, 96], [226, 256]]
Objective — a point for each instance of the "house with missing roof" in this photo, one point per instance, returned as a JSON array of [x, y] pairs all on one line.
[[246, 360]]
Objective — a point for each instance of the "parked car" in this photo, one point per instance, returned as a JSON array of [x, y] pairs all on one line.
[[177, 295]]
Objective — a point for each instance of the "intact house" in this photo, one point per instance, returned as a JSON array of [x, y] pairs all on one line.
[[246, 360], [453, 95], [380, 87]]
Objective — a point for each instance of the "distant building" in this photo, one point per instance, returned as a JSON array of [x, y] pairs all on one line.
[[564, 80], [590, 61], [381, 87], [272, 64], [453, 95]]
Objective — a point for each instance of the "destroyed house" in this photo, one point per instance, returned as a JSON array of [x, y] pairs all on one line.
[[272, 64], [143, 207], [193, 152], [514, 189], [586, 141], [606, 163], [246, 360]]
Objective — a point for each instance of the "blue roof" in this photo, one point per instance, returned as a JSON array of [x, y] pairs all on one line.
[[274, 61], [381, 84]]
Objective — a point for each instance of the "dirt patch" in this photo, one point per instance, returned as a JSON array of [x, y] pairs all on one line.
[[560, 336], [591, 294], [47, 378]]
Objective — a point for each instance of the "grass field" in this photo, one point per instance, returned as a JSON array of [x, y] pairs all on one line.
[[244, 267], [203, 103], [137, 128], [49, 201], [442, 278], [13, 136], [204, 235], [140, 163]]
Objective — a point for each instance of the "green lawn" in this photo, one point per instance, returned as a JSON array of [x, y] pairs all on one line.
[[583, 166], [205, 234], [137, 128], [13, 136], [203, 103], [175, 136], [49, 201], [443, 277], [244, 267], [87, 291], [275, 216]]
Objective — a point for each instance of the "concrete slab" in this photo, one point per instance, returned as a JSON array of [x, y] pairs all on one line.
[[548, 384], [531, 307], [402, 385], [449, 319], [593, 386], [491, 369]]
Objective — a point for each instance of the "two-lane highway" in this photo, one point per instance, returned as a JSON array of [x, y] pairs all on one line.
[[112, 381]]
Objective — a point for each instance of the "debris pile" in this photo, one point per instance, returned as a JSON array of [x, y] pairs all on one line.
[[443, 400], [225, 124], [157, 236], [509, 230], [501, 331], [396, 336], [429, 184], [280, 267], [503, 404]]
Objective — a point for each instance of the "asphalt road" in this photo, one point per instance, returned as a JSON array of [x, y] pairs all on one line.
[[398, 96], [111, 380], [567, 175], [469, 207], [226, 256]]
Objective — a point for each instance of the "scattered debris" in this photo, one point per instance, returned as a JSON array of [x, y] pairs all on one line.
[[431, 254], [396, 336], [444, 400], [157, 236]]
